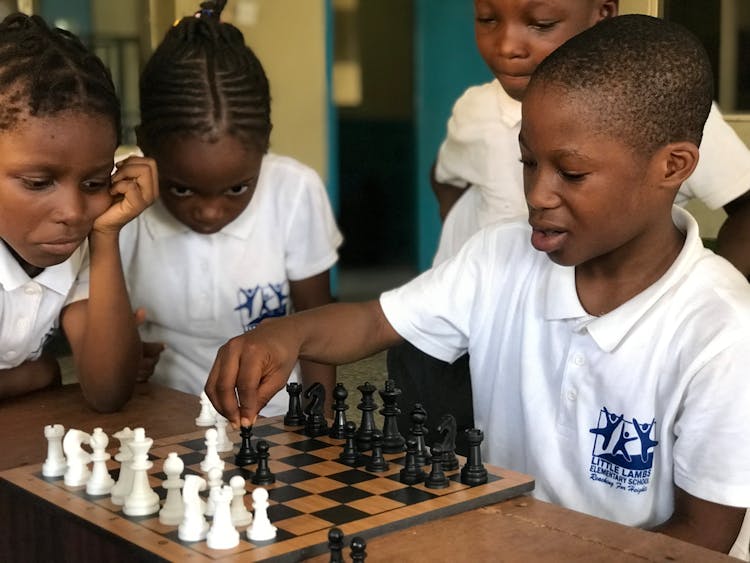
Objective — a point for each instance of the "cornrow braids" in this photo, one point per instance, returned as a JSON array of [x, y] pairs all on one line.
[[44, 71], [204, 81]]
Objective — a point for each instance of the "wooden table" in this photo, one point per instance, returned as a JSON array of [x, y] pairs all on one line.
[[520, 529]]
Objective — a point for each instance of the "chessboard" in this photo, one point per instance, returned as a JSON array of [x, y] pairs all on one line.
[[313, 492]]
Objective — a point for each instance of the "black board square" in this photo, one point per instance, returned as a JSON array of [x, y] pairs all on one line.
[[198, 444], [277, 512], [295, 476], [267, 430], [340, 514], [192, 458], [286, 493], [352, 476], [246, 474], [300, 460], [281, 535], [409, 495], [309, 445], [345, 495]]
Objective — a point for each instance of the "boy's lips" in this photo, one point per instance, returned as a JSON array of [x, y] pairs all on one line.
[[61, 247], [548, 239]]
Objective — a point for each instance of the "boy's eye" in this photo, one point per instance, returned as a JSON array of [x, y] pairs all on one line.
[[179, 191], [37, 183], [96, 185], [544, 25], [572, 176], [485, 20], [527, 162], [238, 190]]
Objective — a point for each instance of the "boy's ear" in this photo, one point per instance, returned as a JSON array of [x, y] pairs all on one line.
[[678, 162], [608, 8]]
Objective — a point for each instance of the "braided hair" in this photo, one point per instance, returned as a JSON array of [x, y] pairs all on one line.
[[203, 80], [44, 71]]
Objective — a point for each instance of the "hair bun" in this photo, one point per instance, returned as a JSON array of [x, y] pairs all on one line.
[[211, 9]]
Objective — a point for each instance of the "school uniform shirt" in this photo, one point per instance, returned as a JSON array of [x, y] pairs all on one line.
[[30, 307], [606, 413], [201, 290], [481, 150]]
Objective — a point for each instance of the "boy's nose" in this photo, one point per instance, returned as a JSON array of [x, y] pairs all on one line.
[[539, 194], [509, 42], [70, 205], [208, 211]]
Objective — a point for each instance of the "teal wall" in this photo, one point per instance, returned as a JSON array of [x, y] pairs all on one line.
[[446, 62], [76, 12]]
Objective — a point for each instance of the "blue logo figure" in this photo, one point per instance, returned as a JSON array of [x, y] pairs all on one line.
[[623, 443], [261, 302]]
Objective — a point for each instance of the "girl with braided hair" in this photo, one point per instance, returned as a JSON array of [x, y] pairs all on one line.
[[61, 211], [239, 235]]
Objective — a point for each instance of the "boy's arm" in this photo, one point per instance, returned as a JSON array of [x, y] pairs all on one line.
[[102, 330], [447, 194], [30, 376], [308, 294], [257, 364], [733, 240], [704, 523]]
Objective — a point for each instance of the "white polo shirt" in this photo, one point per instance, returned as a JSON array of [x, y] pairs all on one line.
[[30, 307], [606, 413], [481, 150], [201, 290]]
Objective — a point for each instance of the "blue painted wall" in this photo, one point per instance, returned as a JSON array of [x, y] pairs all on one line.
[[76, 12], [446, 63]]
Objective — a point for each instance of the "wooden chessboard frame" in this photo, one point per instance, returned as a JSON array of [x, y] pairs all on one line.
[[384, 500]]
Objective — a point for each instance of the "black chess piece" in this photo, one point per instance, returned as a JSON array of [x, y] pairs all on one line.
[[367, 425], [436, 479], [246, 454], [336, 545], [263, 475], [315, 420], [473, 472], [447, 430], [350, 455], [358, 553], [411, 474], [294, 416], [339, 409], [393, 441], [418, 431], [377, 462]]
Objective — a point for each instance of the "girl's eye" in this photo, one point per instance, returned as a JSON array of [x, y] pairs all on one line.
[[180, 191], [37, 183], [96, 185], [544, 25], [238, 190], [572, 176]]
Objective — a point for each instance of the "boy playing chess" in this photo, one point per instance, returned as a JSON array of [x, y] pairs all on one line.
[[613, 369]]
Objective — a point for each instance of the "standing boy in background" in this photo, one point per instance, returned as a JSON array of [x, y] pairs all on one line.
[[238, 235], [609, 355], [61, 211]]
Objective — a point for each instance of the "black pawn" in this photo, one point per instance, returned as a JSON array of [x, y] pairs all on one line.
[[246, 454], [436, 479], [418, 431], [263, 475], [358, 552], [393, 441], [339, 409], [377, 462], [367, 425], [474, 473], [336, 545], [349, 455], [295, 416], [411, 474]]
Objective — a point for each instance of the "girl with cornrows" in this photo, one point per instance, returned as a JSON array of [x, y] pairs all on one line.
[[239, 235], [61, 211]]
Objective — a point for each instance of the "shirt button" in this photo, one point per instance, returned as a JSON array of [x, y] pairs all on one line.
[[32, 289], [579, 360], [23, 324], [9, 355], [572, 395]]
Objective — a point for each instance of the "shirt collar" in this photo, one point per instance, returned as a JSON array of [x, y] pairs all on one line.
[[609, 330], [510, 109], [58, 278]]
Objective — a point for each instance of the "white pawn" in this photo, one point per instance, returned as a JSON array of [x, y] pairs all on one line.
[[193, 526], [222, 534], [212, 458], [142, 500], [173, 510], [124, 484], [261, 529], [55, 464], [214, 482], [224, 444], [206, 417], [241, 516], [77, 472], [100, 482]]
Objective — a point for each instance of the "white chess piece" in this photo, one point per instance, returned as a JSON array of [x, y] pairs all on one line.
[[212, 458], [241, 516], [142, 500], [222, 534], [224, 444], [193, 526], [214, 481], [261, 529], [173, 510], [55, 464], [124, 484], [77, 472], [206, 417], [100, 482]]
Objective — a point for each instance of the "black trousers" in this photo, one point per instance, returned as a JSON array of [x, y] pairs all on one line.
[[441, 388]]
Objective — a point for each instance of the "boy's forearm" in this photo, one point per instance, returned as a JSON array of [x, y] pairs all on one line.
[[107, 358], [29, 376]]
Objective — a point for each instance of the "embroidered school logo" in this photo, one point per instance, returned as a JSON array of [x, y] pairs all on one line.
[[261, 302], [623, 453]]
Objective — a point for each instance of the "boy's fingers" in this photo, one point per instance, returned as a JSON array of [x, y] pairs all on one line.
[[248, 383], [221, 392], [140, 316]]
